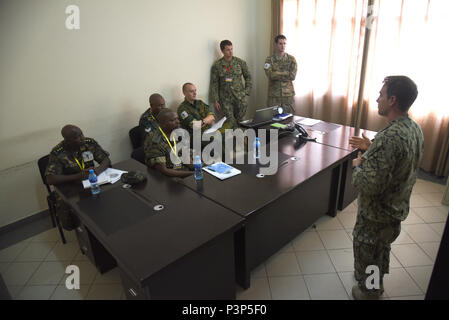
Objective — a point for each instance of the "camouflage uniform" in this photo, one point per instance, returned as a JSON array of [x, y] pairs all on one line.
[[281, 71], [384, 180], [188, 112], [157, 150], [148, 122], [62, 162], [228, 89]]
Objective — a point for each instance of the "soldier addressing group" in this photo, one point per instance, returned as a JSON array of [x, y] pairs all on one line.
[[384, 177], [280, 69], [160, 143], [227, 88], [148, 122], [70, 161]]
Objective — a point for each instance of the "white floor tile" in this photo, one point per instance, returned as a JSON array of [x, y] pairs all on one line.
[[399, 284], [426, 187], [259, 290], [282, 264], [18, 273], [62, 293], [421, 275], [349, 281], [430, 248], [51, 235], [287, 248], [435, 199], [259, 272], [420, 297], [313, 262], [10, 254], [437, 227], [325, 287], [337, 239], [347, 219], [418, 201], [35, 251], [328, 223], [307, 241], [343, 259], [432, 214], [421, 233], [14, 290], [105, 292], [349, 233], [288, 288], [36, 292], [394, 262], [63, 252], [410, 255], [4, 266], [48, 273], [110, 277], [403, 238], [80, 257], [412, 218], [87, 272]]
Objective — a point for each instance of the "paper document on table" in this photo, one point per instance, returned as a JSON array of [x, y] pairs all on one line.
[[222, 170], [216, 126], [110, 175], [309, 122]]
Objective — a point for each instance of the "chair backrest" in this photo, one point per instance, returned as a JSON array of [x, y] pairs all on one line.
[[135, 134], [139, 155], [42, 164]]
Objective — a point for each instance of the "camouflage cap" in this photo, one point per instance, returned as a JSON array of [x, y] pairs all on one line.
[[133, 177]]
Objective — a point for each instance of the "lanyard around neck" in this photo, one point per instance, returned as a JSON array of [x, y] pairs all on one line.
[[82, 165], [174, 142]]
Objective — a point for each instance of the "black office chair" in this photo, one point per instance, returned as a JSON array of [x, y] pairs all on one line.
[[136, 136], [51, 199], [139, 155]]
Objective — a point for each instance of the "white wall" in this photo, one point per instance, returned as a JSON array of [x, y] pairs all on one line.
[[100, 77]]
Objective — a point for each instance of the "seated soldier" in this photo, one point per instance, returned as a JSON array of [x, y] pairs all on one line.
[[194, 112], [148, 122], [159, 143], [71, 161]]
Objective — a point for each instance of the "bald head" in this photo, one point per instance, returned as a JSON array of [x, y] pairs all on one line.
[[157, 103], [73, 136], [168, 120], [189, 91]]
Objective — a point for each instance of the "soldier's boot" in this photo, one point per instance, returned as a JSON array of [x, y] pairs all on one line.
[[359, 294]]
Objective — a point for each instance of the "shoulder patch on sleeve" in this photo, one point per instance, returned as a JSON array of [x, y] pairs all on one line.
[[184, 115], [266, 66]]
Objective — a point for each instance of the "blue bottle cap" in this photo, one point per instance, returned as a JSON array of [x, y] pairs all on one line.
[[91, 170]]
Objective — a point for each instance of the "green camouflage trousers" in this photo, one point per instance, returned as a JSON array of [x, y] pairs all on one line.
[[65, 215], [234, 111], [372, 246], [285, 101]]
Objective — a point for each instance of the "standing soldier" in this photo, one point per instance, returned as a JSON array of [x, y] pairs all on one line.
[[228, 90], [280, 69]]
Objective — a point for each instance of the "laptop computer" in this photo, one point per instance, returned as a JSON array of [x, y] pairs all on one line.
[[261, 117]]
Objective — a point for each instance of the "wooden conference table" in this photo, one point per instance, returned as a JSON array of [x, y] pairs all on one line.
[[184, 251], [172, 255]]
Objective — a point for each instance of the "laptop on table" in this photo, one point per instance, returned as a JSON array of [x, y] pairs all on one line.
[[261, 117]]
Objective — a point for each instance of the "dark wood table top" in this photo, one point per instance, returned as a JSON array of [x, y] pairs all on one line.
[[144, 247], [246, 193]]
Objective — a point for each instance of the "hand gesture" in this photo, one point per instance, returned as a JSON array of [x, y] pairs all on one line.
[[360, 143]]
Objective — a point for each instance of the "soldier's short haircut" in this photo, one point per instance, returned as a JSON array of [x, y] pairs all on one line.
[[154, 96], [225, 43], [403, 88], [164, 114], [185, 85], [279, 37]]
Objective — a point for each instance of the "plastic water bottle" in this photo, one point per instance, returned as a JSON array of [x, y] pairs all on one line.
[[256, 148], [198, 168], [94, 187]]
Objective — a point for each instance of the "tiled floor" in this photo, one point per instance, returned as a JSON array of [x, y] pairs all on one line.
[[318, 264]]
